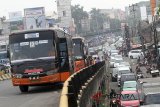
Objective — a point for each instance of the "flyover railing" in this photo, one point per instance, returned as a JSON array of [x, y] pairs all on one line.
[[81, 88]]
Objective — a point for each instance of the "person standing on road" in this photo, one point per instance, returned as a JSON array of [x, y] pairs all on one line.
[[138, 60], [138, 69]]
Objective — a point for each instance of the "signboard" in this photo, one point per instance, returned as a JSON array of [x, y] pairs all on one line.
[[136, 40], [15, 15], [143, 13], [16, 25], [35, 18]]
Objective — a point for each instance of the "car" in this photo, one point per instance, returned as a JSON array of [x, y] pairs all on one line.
[[117, 61], [122, 70], [155, 73], [114, 75], [114, 52], [125, 64], [127, 77], [135, 54], [152, 98], [111, 63], [129, 99], [151, 92], [129, 86], [112, 56], [151, 105], [118, 56]]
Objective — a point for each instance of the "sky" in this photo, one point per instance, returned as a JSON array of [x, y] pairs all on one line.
[[7, 6]]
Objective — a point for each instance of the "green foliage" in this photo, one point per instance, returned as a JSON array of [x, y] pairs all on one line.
[[78, 14], [97, 20], [158, 12], [115, 24]]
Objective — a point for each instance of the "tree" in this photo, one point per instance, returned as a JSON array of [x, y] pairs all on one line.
[[115, 24], [78, 14], [97, 20]]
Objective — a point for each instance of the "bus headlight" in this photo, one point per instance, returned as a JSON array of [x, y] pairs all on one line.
[[18, 75]]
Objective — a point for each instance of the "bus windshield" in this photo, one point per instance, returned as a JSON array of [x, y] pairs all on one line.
[[31, 46], [78, 49]]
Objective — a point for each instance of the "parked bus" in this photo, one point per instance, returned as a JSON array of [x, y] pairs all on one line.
[[80, 53], [39, 57]]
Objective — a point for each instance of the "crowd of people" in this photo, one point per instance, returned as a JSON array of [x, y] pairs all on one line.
[[151, 61]]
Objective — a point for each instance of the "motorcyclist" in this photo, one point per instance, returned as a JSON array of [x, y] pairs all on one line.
[[138, 69], [112, 95]]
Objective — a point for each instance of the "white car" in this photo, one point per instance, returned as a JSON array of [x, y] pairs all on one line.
[[111, 63], [124, 64], [114, 51], [113, 55], [135, 54], [117, 61], [118, 56], [122, 70]]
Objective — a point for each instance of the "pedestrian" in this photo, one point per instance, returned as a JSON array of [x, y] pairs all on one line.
[[138, 60], [138, 69]]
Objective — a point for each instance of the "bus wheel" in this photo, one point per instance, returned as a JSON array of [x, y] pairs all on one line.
[[23, 88]]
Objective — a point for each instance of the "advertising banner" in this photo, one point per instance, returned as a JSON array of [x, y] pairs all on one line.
[[143, 13], [15, 15], [35, 18], [16, 25]]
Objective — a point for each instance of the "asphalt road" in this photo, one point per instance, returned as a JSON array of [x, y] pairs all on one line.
[[41, 96], [133, 63]]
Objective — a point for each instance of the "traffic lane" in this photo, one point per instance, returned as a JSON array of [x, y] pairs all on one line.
[[40, 96], [114, 85], [133, 63]]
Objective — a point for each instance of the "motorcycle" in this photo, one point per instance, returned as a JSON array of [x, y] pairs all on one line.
[[140, 75], [114, 102]]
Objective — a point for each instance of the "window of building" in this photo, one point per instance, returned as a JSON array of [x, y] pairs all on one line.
[[64, 13]]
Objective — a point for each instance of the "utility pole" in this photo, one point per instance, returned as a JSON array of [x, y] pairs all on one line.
[[127, 39], [155, 36], [141, 37], [133, 11]]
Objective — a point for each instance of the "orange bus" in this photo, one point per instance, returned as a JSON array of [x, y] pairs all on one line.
[[80, 53], [39, 57]]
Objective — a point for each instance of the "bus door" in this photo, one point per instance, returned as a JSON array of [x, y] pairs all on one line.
[[79, 55], [64, 60]]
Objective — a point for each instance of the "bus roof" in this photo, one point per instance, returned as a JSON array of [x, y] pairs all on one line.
[[78, 37], [34, 30]]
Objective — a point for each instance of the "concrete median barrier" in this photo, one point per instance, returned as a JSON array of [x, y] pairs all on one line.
[[80, 87], [5, 76]]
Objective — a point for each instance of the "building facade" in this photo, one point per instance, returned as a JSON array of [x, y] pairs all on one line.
[[113, 13], [64, 13]]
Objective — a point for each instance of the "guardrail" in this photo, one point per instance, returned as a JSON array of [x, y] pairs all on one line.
[[79, 89]]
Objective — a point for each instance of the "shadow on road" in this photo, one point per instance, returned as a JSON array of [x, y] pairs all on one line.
[[44, 89]]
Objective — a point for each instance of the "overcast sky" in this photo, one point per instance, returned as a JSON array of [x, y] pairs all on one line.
[[50, 5]]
